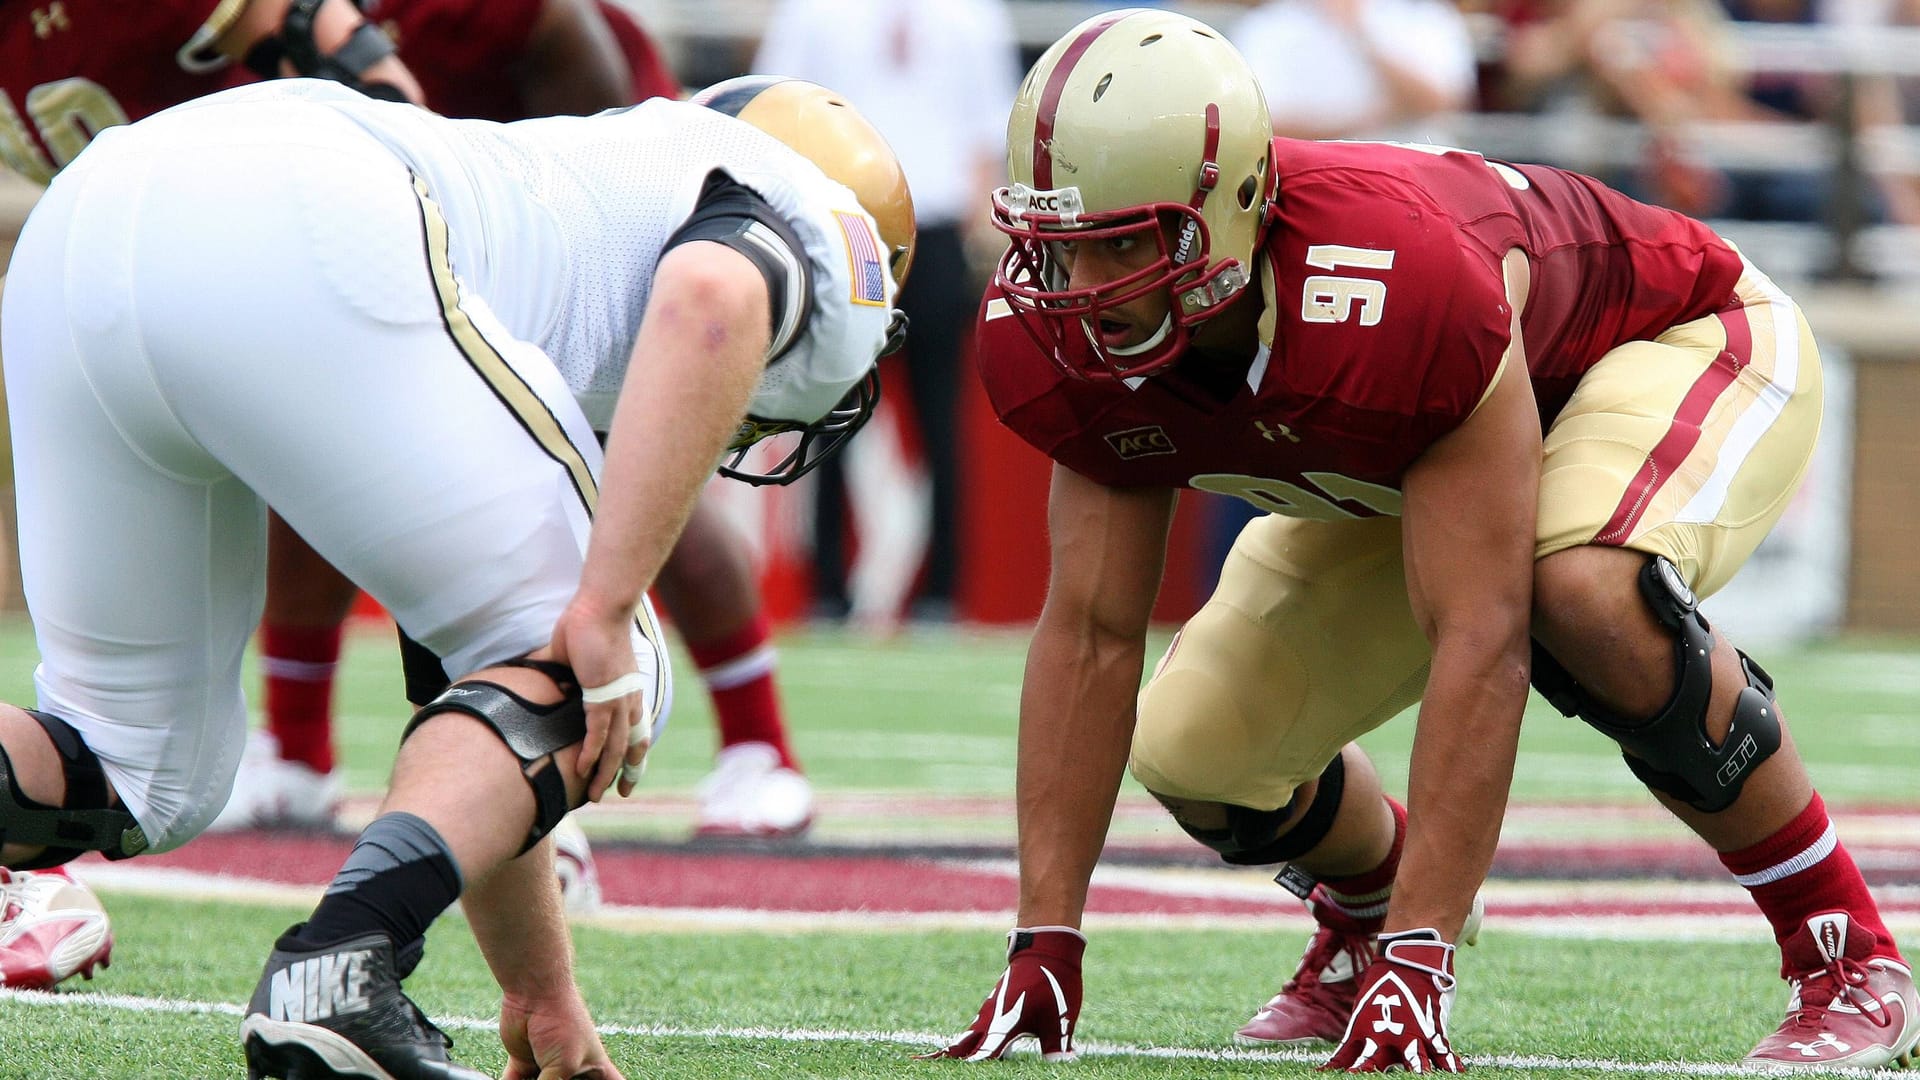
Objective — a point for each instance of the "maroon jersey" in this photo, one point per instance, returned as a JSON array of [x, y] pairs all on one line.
[[464, 52], [69, 68], [1385, 322]]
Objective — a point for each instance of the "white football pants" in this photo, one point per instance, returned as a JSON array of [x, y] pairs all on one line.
[[198, 327]]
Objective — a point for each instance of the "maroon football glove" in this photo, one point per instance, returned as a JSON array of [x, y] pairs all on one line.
[[1400, 1019], [1037, 998]]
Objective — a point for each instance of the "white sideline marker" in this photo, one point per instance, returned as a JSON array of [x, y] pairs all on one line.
[[928, 1040]]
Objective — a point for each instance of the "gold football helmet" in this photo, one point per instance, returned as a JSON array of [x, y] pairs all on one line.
[[1139, 123], [828, 131]]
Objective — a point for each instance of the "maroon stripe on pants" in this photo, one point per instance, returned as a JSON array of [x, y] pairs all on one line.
[[1684, 433]]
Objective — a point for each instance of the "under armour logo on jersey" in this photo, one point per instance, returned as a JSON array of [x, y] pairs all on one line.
[[1140, 442], [321, 987], [49, 19], [1276, 432]]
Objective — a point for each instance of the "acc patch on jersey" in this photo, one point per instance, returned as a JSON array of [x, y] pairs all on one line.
[[863, 252]]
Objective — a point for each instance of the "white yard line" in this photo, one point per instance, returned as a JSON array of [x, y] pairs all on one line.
[[926, 1040]]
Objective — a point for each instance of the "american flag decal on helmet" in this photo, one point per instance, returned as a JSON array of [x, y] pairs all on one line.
[[863, 252]]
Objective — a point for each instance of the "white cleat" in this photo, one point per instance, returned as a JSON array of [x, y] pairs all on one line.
[[573, 862], [270, 792], [750, 795], [52, 927]]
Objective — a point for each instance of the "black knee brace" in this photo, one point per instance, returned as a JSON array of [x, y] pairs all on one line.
[[1249, 840], [1672, 752], [533, 732], [86, 823]]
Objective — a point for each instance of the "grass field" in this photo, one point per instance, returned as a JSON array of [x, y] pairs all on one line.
[[932, 715]]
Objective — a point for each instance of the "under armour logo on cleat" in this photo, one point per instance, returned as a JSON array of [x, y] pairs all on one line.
[[321, 987], [1826, 1039]]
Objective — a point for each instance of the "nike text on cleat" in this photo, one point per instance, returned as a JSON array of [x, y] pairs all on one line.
[[338, 1011], [52, 927]]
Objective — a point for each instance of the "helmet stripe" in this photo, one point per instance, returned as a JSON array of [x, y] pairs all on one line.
[[1050, 97]]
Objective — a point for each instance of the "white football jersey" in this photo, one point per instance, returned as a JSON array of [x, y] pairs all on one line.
[[558, 224]]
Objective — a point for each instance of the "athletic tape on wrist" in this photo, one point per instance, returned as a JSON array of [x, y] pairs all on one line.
[[630, 683]]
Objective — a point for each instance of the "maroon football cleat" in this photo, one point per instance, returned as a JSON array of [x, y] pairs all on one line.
[[51, 927], [1314, 1005], [1849, 1009]]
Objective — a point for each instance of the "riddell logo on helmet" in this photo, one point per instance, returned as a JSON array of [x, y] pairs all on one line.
[[1140, 442]]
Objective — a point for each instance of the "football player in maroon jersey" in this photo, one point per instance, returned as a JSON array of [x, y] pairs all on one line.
[[1507, 423], [69, 68]]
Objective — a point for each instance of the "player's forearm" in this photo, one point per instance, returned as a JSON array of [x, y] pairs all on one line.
[[1462, 769], [694, 367], [1076, 724], [521, 928]]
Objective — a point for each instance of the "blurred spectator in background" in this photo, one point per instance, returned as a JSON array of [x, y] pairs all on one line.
[[936, 77], [1359, 69], [1887, 104], [1782, 194], [1675, 66], [1669, 65]]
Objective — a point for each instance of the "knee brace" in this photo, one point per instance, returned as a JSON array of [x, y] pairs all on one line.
[[534, 733], [1672, 752], [86, 823], [1249, 840]]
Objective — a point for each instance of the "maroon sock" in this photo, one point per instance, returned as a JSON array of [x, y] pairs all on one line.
[[298, 663], [1803, 870], [1363, 897], [738, 670]]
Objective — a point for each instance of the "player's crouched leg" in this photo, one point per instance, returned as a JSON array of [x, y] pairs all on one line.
[[329, 1002], [51, 925]]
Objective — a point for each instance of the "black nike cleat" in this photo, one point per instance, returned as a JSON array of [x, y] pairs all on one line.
[[338, 1011]]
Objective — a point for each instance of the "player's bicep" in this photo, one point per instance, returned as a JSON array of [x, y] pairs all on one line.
[[717, 296], [736, 217], [1109, 549]]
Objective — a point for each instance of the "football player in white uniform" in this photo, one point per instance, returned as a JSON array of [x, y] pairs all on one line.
[[404, 332]]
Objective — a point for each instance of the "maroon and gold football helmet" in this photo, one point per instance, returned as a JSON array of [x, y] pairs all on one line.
[[1142, 124]]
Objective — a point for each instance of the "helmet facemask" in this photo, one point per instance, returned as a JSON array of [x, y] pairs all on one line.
[[812, 443], [1052, 310]]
